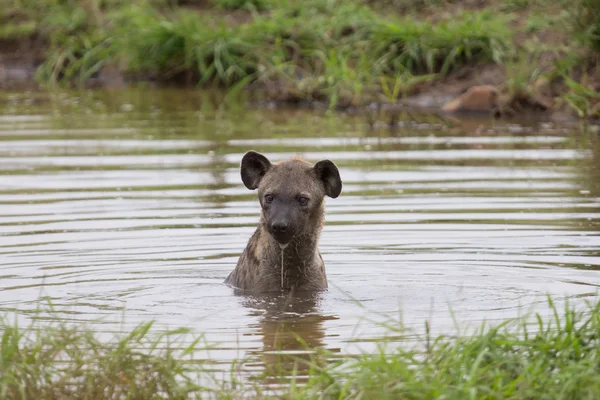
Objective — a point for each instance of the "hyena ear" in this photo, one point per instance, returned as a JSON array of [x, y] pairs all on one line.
[[328, 173], [254, 167]]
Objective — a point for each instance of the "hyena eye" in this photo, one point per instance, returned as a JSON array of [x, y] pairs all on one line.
[[269, 198], [303, 200]]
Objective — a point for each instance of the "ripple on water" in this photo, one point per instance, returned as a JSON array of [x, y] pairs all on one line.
[[146, 210]]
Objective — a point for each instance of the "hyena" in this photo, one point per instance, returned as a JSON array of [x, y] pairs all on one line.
[[283, 254]]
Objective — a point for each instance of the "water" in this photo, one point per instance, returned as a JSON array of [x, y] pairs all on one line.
[[133, 200]]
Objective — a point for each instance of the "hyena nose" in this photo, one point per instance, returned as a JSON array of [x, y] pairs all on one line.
[[280, 226]]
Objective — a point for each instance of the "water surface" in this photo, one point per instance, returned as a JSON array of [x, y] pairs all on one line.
[[133, 200]]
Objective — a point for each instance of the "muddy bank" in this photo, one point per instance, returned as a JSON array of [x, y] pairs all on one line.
[[19, 60], [19, 63]]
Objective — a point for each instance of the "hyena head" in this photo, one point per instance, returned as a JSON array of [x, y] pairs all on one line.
[[290, 193]]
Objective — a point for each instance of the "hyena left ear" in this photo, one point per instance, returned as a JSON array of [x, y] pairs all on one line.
[[328, 173], [253, 169]]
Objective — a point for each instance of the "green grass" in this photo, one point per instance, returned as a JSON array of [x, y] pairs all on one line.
[[330, 50], [405, 5], [342, 53], [17, 30], [586, 23], [581, 98], [540, 357], [555, 359], [67, 362], [537, 22], [258, 5], [515, 5], [420, 47], [523, 79], [208, 50]]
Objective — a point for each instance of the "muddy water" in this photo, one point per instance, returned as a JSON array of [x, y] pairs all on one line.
[[133, 200]]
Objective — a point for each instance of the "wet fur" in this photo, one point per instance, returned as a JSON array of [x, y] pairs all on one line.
[[259, 267]]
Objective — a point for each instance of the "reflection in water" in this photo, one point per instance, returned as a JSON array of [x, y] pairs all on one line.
[[591, 173], [590, 187], [134, 199], [291, 330]]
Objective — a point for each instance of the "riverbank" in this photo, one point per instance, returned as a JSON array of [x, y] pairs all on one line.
[[503, 58], [527, 358]]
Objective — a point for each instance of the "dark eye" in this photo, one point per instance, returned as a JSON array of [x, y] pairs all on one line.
[[303, 201], [269, 198]]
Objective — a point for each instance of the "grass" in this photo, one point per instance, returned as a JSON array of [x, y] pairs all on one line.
[[258, 5], [328, 50], [513, 5], [554, 357], [341, 53], [404, 5], [17, 30], [424, 48], [581, 99], [190, 45], [586, 24], [65, 362], [524, 78]]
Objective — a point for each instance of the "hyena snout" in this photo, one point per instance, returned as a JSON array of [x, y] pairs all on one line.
[[281, 228]]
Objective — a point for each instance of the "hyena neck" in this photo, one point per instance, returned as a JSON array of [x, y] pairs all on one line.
[[300, 253], [292, 265]]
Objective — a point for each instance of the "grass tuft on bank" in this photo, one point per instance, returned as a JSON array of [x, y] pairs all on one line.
[[552, 356]]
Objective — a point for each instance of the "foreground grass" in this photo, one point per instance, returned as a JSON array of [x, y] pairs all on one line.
[[67, 362], [551, 358], [557, 359], [345, 53]]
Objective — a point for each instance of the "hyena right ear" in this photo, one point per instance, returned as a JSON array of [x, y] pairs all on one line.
[[328, 173], [254, 167]]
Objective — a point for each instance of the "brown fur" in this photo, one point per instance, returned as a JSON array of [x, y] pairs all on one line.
[[259, 268]]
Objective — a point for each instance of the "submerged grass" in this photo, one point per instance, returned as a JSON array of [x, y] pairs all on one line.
[[554, 357]]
